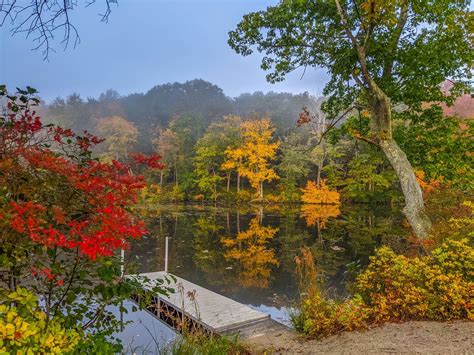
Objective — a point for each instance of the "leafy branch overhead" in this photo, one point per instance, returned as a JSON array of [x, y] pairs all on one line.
[[409, 47]]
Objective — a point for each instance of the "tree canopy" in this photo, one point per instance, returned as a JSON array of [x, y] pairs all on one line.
[[387, 57], [408, 47]]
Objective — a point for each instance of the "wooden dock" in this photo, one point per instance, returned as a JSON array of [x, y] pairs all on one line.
[[206, 309]]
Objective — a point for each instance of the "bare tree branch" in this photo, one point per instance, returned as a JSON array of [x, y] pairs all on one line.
[[334, 122], [42, 19]]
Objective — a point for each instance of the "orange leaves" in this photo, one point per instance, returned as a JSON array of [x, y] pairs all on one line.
[[428, 186], [321, 194], [305, 117], [320, 203], [58, 215]]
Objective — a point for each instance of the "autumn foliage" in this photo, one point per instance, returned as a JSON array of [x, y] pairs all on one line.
[[252, 252], [321, 194], [317, 214], [63, 215], [428, 185], [392, 288], [95, 227], [252, 157]]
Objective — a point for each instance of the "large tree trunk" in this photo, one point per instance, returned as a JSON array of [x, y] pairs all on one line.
[[414, 209]]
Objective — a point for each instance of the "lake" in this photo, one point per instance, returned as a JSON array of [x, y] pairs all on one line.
[[247, 253]]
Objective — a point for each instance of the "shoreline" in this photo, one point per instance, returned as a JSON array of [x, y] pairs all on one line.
[[414, 337]]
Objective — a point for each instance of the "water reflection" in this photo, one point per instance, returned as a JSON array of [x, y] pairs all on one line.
[[248, 254], [251, 254]]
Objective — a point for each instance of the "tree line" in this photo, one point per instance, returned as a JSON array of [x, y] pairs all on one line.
[[267, 147]]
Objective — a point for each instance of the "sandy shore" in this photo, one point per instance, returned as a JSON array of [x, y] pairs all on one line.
[[406, 338]]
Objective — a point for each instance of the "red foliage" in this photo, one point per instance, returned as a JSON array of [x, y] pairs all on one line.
[[96, 221], [152, 161]]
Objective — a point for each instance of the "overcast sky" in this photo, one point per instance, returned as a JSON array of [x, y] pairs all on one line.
[[145, 43]]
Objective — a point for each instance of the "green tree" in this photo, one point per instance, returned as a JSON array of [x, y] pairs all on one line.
[[378, 53], [440, 146], [294, 164], [210, 153], [207, 166], [367, 178]]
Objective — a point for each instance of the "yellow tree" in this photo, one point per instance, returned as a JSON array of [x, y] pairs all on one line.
[[119, 135], [234, 157], [253, 156]]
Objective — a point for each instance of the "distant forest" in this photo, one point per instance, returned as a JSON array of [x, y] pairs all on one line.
[[152, 111]]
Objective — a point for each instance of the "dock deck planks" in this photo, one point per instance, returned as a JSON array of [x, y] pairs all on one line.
[[217, 313]]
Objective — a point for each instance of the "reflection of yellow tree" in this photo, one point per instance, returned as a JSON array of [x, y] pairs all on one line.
[[251, 251], [319, 214]]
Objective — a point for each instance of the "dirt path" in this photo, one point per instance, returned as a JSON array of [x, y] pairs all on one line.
[[407, 338]]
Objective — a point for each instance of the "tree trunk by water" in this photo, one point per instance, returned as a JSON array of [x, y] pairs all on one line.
[[381, 121], [318, 177], [381, 127], [414, 209]]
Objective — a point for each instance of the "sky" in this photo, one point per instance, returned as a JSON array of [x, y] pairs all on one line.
[[147, 43]]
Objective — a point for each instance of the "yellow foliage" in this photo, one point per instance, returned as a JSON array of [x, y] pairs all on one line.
[[321, 194], [119, 135], [394, 287], [24, 330], [250, 250], [252, 157], [464, 223]]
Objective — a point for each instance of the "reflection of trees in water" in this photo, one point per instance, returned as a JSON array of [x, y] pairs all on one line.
[[254, 259], [232, 251], [314, 214], [318, 215], [209, 254], [364, 228]]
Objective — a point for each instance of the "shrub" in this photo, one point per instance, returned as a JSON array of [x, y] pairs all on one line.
[[24, 327], [438, 286], [64, 215]]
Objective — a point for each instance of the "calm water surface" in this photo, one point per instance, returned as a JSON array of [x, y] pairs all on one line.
[[248, 254]]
